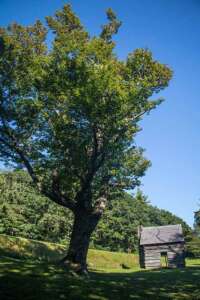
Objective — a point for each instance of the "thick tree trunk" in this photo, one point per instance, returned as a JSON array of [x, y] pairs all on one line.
[[84, 225]]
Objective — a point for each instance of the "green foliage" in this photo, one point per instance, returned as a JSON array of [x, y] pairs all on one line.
[[197, 223], [69, 114], [24, 212], [117, 231], [193, 245]]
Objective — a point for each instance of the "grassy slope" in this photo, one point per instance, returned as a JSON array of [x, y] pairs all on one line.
[[36, 280], [17, 247]]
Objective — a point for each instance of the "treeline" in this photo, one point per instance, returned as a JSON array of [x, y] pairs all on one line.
[[197, 223], [23, 212]]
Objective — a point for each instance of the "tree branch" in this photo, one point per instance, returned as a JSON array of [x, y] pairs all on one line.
[[92, 169], [54, 195], [59, 199]]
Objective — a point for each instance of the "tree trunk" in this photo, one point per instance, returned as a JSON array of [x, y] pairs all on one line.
[[84, 225]]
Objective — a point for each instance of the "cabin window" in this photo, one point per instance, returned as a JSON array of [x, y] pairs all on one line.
[[164, 259]]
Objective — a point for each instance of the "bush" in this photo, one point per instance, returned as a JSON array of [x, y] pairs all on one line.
[[193, 247]]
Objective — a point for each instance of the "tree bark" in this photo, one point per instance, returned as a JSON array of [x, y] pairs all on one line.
[[84, 224]]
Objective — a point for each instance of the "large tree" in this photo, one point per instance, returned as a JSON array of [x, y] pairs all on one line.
[[69, 113]]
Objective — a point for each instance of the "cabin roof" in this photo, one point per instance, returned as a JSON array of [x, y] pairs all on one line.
[[161, 234]]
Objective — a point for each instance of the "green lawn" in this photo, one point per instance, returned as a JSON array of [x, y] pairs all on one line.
[[39, 280]]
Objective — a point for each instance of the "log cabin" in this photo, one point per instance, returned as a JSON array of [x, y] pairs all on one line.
[[161, 246]]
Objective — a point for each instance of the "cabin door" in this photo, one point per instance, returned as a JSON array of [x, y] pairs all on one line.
[[164, 259]]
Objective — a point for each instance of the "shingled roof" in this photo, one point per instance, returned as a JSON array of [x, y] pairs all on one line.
[[161, 235]]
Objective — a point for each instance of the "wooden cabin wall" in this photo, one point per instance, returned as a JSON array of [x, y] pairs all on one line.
[[150, 255]]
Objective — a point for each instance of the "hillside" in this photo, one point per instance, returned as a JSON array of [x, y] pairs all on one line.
[[23, 212], [21, 248]]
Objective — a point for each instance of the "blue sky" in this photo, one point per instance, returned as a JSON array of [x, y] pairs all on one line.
[[171, 136]]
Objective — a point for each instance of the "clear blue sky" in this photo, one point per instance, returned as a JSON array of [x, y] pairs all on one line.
[[171, 135]]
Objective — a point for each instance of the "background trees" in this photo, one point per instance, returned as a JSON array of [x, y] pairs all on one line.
[[197, 223], [24, 212]]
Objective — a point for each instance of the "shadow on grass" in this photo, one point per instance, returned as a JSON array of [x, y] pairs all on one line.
[[30, 280]]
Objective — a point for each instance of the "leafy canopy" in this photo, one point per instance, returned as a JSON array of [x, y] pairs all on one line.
[[69, 114]]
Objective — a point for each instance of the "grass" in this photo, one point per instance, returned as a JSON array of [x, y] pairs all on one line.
[[38, 280], [21, 248]]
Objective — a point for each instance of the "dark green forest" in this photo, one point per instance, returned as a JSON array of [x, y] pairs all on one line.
[[197, 223], [24, 212]]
